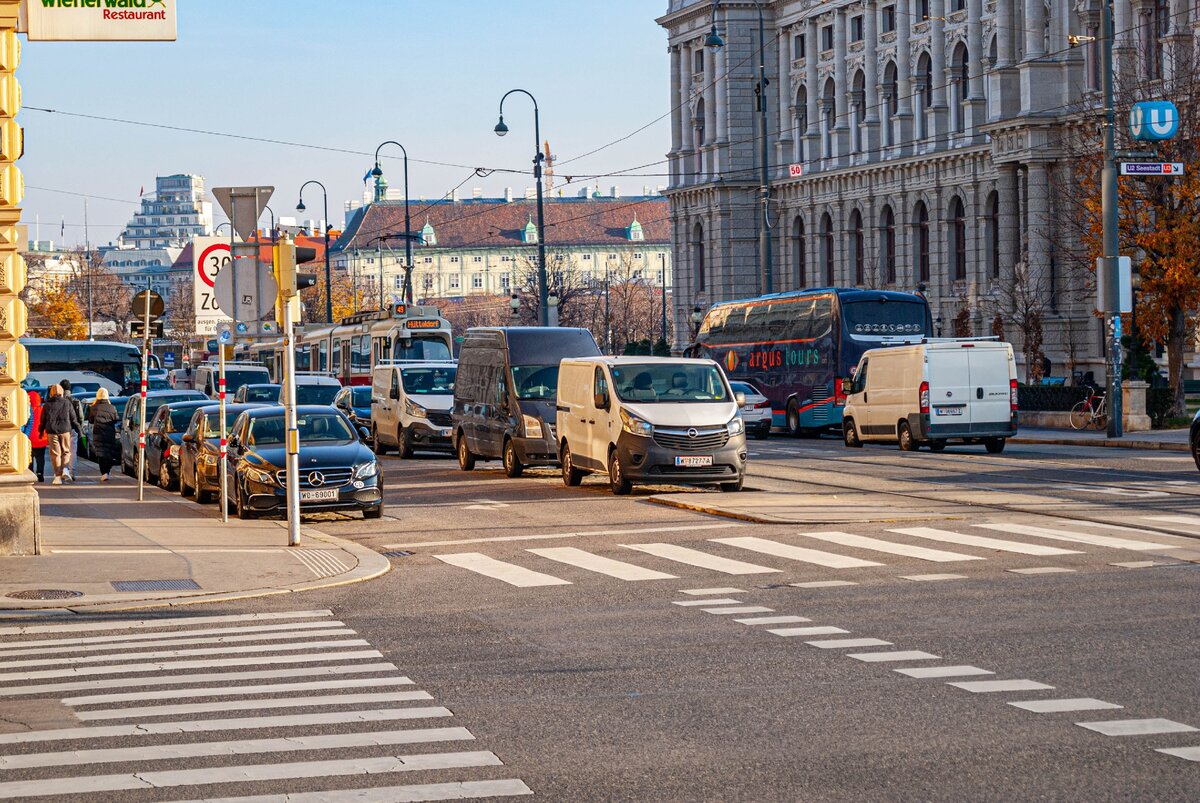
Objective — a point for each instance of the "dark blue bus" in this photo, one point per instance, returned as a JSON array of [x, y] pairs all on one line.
[[797, 346]]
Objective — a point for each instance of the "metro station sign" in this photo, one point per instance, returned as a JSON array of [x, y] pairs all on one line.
[[98, 20]]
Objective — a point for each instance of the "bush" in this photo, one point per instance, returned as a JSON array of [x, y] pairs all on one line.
[[1049, 398], [1159, 402]]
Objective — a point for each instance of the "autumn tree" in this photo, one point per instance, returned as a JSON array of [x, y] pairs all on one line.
[[54, 311]]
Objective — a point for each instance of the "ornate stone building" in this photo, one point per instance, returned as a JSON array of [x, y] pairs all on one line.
[[911, 143]]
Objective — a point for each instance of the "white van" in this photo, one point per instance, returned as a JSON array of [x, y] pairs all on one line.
[[649, 420], [933, 392], [410, 406]]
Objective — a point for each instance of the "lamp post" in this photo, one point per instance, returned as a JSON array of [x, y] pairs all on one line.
[[515, 303], [501, 129], [714, 42], [328, 271], [377, 172], [1108, 214]]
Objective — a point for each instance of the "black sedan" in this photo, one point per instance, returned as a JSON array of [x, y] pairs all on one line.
[[337, 471], [164, 436], [200, 450]]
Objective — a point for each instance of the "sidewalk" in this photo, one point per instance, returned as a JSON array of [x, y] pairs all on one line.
[[104, 550], [1172, 440]]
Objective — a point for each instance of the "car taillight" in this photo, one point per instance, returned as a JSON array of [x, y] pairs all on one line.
[[839, 393], [1012, 393], [762, 405], [924, 396]]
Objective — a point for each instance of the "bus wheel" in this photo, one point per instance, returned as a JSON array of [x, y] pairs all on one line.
[[793, 419]]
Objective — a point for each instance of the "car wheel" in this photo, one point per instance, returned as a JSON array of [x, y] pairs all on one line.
[[164, 477], [202, 496], [377, 445], [939, 446], [373, 512], [616, 475], [793, 419], [907, 442], [243, 509], [466, 460], [994, 445], [733, 487], [571, 476], [126, 469], [512, 463], [850, 434], [405, 444]]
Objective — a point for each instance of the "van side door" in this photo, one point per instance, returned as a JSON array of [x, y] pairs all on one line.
[[599, 422], [496, 418]]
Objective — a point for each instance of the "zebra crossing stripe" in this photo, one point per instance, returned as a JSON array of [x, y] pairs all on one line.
[[1193, 521], [803, 554], [983, 542], [121, 650], [236, 691], [17, 647], [257, 705], [602, 565], [1136, 727], [415, 793], [694, 557], [891, 547], [138, 656], [205, 663], [499, 570], [142, 624], [1081, 538]]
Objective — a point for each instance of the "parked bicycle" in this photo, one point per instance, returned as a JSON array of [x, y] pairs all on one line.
[[1092, 411]]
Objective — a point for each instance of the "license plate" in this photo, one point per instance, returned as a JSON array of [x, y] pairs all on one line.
[[693, 461], [949, 410], [321, 495], [444, 432]]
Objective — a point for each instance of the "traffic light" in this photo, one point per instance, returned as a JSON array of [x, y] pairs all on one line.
[[287, 257]]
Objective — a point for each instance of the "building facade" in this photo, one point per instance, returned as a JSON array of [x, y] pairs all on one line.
[[911, 144]]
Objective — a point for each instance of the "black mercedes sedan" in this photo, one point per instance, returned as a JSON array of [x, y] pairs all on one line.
[[337, 470]]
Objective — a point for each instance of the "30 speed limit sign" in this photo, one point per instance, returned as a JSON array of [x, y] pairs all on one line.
[[211, 255]]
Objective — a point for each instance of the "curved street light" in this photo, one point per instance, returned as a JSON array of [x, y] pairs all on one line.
[[501, 129], [300, 207], [377, 172]]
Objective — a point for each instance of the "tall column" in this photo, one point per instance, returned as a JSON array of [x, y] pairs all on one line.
[[1124, 39], [870, 134], [721, 112], [783, 105], [687, 146], [678, 115], [1009, 229], [904, 112], [1178, 41], [841, 123], [710, 113], [1034, 23], [936, 116], [975, 108], [1037, 189], [1040, 77], [812, 137]]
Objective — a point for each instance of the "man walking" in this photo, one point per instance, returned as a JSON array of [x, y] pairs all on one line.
[[75, 433], [57, 424]]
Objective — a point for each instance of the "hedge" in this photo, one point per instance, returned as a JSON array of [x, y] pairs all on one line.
[[1159, 402], [1049, 398]]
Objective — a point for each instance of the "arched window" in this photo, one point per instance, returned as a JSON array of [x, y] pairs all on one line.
[[799, 255], [924, 85], [801, 122], [962, 63], [887, 233], [856, 247], [858, 100], [921, 241], [828, 118], [827, 248], [993, 234], [891, 93], [958, 239], [698, 265]]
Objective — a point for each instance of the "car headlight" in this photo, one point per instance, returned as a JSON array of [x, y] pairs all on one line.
[[414, 409], [533, 427], [636, 426], [260, 476], [736, 426], [365, 471]]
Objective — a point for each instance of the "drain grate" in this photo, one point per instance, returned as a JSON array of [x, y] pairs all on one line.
[[398, 553], [155, 585], [45, 593]]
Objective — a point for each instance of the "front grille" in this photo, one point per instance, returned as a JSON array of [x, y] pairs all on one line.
[[439, 419], [698, 471], [820, 394], [334, 477], [705, 440]]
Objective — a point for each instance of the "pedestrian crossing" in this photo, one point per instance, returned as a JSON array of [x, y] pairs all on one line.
[[840, 552], [253, 707]]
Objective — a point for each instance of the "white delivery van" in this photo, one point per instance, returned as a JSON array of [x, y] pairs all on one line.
[[410, 406], [649, 420], [933, 392]]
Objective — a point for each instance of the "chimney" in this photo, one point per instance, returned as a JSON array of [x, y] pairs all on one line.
[[530, 193], [584, 193], [508, 194], [645, 190], [616, 191], [477, 192]]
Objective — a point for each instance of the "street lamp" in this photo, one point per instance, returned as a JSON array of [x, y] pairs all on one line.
[[219, 225], [515, 303], [377, 172], [697, 319], [501, 129], [715, 42], [328, 271]]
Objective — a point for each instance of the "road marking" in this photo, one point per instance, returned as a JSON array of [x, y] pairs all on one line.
[[499, 570], [898, 655], [139, 656], [18, 647], [928, 578], [240, 705], [462, 790], [1136, 727], [208, 725], [983, 542], [790, 552], [891, 547], [1192, 521], [1189, 753], [986, 686], [1058, 706], [772, 620], [694, 557], [807, 631], [236, 691], [824, 584], [182, 621], [699, 592], [322, 563], [840, 643], [1080, 538], [1138, 564], [247, 773], [171, 666], [943, 671], [738, 609], [1041, 570], [163, 752], [552, 536], [692, 603], [600, 564], [121, 650]]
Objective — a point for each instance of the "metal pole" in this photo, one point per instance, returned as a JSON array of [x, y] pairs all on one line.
[[87, 258], [1112, 295], [764, 235], [408, 265], [328, 268], [543, 281], [379, 258], [607, 324], [293, 432], [142, 411], [224, 442]]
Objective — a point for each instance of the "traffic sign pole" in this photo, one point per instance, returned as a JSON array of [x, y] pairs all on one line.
[[293, 432], [224, 444], [1111, 246]]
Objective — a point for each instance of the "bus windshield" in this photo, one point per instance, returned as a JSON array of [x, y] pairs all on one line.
[[669, 383]]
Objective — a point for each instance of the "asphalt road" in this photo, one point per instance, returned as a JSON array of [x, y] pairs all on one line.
[[541, 632]]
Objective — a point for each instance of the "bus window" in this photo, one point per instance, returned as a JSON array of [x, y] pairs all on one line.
[[337, 356]]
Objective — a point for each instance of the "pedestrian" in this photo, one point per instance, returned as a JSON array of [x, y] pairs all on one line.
[[103, 417], [57, 424], [77, 433], [37, 439]]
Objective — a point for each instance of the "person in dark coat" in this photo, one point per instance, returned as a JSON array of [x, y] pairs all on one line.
[[57, 424], [103, 417]]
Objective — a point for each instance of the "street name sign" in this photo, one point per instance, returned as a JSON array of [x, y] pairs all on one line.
[[98, 20], [209, 255], [1151, 168]]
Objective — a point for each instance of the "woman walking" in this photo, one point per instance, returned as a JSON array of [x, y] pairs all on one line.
[[58, 422], [103, 416], [37, 439]]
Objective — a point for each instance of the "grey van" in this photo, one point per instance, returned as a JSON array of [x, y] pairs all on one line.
[[506, 391]]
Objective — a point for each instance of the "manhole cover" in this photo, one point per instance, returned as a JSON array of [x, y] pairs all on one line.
[[398, 553], [155, 585], [45, 593]]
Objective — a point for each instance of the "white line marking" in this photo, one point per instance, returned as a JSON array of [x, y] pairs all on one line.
[[552, 536], [1079, 538], [986, 686], [164, 638], [942, 671], [824, 584], [499, 570], [162, 752], [1188, 753], [772, 620], [799, 553], [139, 656], [235, 691], [703, 592], [245, 774], [1193, 521], [983, 542], [925, 578], [125, 650], [738, 610], [693, 557], [823, 630], [891, 547], [839, 643], [896, 655], [1057, 706], [414, 793], [257, 705], [179, 621], [1042, 570], [208, 725], [602, 565], [1138, 564], [699, 603], [1136, 727]]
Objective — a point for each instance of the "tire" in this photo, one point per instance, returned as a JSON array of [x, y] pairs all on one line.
[[126, 469], [466, 460], [994, 445], [733, 487], [1081, 415], [904, 435], [164, 477], [377, 446], [938, 446], [850, 434], [243, 510], [404, 445], [203, 497], [1101, 422], [373, 512], [616, 475], [571, 476], [792, 421], [512, 463]]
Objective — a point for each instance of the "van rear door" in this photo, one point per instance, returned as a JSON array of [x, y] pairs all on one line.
[[950, 391], [990, 391]]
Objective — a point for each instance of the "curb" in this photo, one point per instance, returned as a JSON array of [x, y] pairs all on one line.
[[1111, 443]]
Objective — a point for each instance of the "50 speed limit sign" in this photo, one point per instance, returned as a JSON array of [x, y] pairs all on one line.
[[211, 255]]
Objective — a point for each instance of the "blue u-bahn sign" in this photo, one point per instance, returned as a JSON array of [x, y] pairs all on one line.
[[1153, 120]]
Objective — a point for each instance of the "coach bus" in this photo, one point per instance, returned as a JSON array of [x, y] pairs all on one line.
[[118, 362], [797, 346]]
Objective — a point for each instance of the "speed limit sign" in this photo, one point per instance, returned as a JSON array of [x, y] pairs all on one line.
[[211, 255]]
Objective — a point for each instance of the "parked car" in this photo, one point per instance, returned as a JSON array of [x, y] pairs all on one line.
[[313, 388], [756, 412], [200, 450], [1195, 438], [128, 427], [205, 376], [505, 394], [412, 407], [164, 436], [932, 393], [337, 470], [85, 441], [355, 402], [646, 419], [262, 394]]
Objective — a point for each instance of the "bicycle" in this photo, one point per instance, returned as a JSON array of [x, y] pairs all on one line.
[[1092, 411]]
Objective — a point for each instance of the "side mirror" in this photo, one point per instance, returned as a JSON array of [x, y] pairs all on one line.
[[189, 437], [394, 394], [600, 401], [739, 399], [374, 401], [234, 443], [363, 434]]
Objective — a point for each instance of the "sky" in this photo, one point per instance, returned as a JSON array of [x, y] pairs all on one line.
[[343, 75]]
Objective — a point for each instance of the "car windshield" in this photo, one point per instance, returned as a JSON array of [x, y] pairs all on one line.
[[316, 394], [313, 427], [78, 388], [262, 393], [236, 377], [180, 419], [884, 317], [212, 424], [360, 397], [669, 383], [536, 381], [426, 382]]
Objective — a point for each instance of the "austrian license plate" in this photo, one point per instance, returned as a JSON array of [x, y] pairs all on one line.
[[319, 495], [693, 461], [444, 432], [949, 410]]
